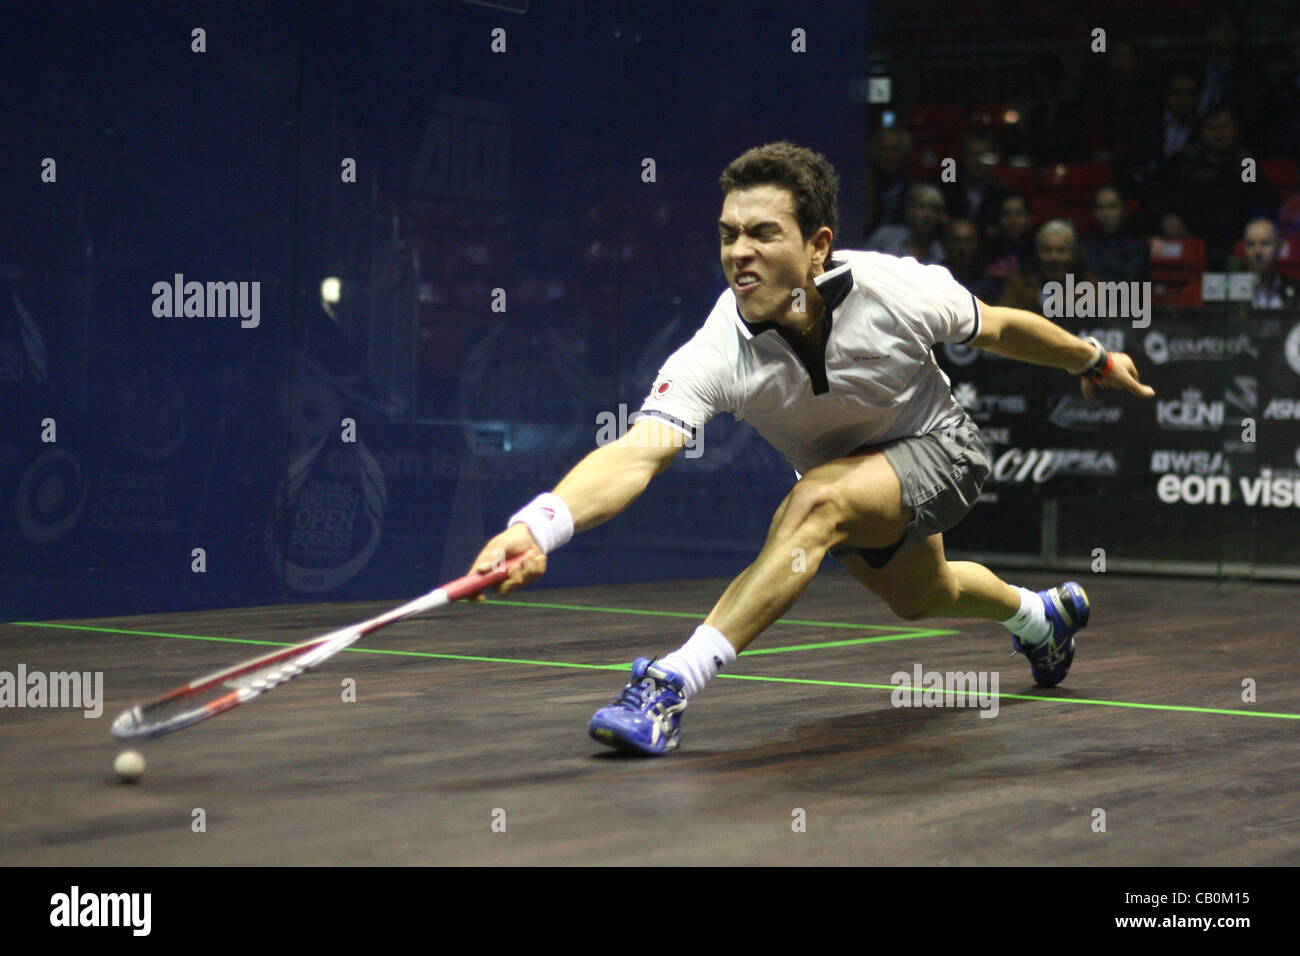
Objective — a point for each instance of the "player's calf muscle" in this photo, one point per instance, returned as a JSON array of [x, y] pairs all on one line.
[[931, 602]]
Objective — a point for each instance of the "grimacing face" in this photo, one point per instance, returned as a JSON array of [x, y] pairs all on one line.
[[764, 255]]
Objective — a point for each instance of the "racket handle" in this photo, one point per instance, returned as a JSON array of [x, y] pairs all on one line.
[[473, 583]]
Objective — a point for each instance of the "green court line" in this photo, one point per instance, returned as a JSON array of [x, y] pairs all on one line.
[[846, 643], [893, 629], [1054, 700], [184, 637], [248, 640], [1133, 705]]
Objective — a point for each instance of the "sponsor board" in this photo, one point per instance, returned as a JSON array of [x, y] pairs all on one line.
[[1265, 490], [1189, 462], [1039, 465], [1282, 410], [1243, 394], [1189, 412], [1074, 412], [982, 406], [1291, 348], [1162, 348]]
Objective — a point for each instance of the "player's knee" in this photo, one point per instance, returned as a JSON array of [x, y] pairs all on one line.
[[817, 507]]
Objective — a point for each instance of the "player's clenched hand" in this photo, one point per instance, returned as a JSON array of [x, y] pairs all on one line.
[[514, 540], [1123, 375]]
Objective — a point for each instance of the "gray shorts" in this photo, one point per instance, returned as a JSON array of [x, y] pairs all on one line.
[[941, 474]]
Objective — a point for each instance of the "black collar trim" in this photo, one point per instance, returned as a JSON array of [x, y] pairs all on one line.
[[834, 287]]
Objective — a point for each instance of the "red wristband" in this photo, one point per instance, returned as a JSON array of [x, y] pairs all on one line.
[[1105, 369]]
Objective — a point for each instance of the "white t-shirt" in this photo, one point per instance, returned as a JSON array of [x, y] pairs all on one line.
[[878, 381]]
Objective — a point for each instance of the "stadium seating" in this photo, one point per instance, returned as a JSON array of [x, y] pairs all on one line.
[[1288, 257], [1284, 174], [1176, 268]]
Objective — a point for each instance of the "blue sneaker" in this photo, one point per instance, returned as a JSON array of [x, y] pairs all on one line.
[[645, 717], [1067, 610]]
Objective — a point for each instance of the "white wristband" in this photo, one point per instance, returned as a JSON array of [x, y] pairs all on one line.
[[1098, 350], [548, 519]]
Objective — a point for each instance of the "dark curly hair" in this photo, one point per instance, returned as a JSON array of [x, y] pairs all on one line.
[[808, 175]]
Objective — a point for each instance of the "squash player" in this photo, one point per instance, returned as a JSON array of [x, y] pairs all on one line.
[[828, 354]]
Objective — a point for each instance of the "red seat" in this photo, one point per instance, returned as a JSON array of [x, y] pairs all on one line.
[[1288, 216], [937, 122], [1288, 257], [1073, 185], [1175, 257], [1189, 296], [994, 117], [936, 135], [1076, 178], [1282, 173], [1176, 267], [1018, 178], [1045, 206]]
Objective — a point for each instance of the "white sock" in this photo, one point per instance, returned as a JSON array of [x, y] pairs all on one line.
[[1030, 623], [699, 659]]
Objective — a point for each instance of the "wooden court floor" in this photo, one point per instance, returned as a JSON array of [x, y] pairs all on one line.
[[466, 743]]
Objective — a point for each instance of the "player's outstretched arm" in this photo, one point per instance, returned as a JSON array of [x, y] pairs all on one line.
[[1022, 335], [599, 487]]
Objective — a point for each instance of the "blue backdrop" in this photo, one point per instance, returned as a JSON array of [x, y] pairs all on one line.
[[506, 276]]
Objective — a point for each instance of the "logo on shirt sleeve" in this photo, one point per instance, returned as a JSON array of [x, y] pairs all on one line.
[[661, 388]]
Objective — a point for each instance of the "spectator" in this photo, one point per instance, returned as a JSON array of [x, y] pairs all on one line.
[[1119, 107], [1178, 123], [919, 238], [965, 260], [975, 194], [1204, 194], [1232, 76], [1053, 121], [1282, 131], [1175, 128], [1114, 252], [1262, 246], [1140, 169], [1012, 244], [889, 151], [1056, 255]]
